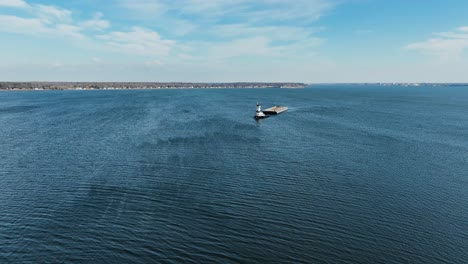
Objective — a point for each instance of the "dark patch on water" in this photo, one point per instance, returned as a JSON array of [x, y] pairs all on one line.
[[18, 109]]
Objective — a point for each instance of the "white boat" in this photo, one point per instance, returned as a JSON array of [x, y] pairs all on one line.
[[259, 114]]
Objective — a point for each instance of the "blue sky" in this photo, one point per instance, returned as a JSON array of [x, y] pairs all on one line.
[[234, 40]]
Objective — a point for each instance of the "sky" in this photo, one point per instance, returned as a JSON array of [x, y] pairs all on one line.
[[312, 41]]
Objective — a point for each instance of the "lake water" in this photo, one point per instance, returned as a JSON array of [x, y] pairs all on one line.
[[350, 174]]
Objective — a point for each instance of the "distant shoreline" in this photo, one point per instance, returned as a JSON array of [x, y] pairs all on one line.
[[77, 86], [31, 86]]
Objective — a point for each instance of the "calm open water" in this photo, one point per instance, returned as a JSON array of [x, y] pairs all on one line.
[[351, 174]]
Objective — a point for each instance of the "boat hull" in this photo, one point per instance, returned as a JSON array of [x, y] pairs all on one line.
[[261, 117]]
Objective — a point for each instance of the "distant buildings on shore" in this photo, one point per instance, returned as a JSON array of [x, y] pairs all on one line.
[[181, 85], [137, 85]]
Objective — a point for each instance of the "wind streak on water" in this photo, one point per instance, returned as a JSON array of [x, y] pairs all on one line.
[[361, 174]]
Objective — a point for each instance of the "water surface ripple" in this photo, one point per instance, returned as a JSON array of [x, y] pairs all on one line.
[[350, 174]]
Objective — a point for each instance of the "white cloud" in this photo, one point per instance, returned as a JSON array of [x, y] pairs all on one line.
[[36, 27], [144, 6], [52, 21], [255, 27], [259, 46], [306, 10], [273, 32], [14, 24], [44, 20], [138, 41], [181, 27], [209, 7], [52, 14], [47, 21], [14, 3], [205, 15], [240, 47], [224, 34], [96, 23], [159, 13], [264, 10], [68, 30], [446, 45], [271, 10]]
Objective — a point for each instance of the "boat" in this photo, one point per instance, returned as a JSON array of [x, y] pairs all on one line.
[[275, 110], [259, 114]]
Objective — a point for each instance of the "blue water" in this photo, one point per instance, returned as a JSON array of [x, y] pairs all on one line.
[[350, 174]]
